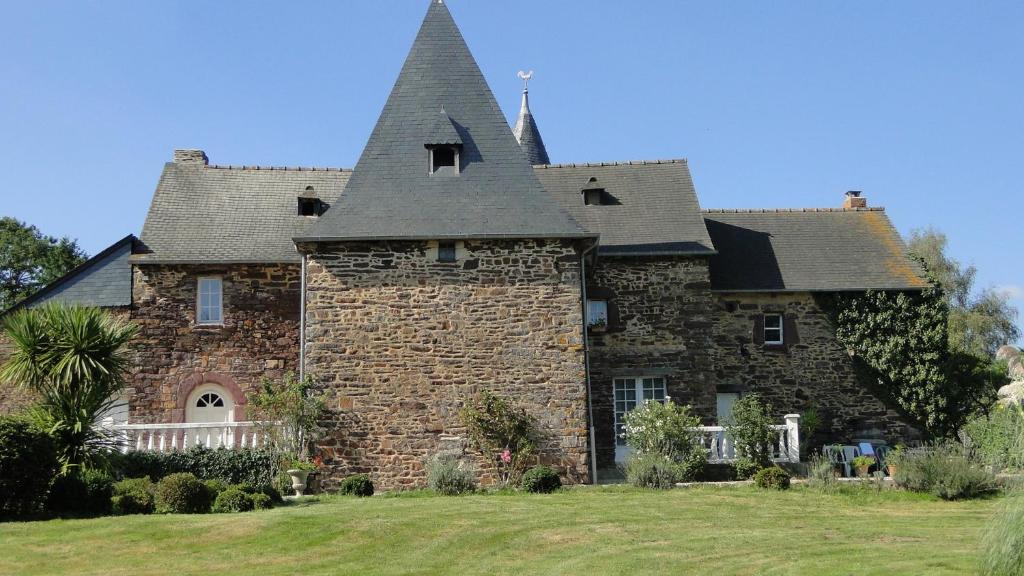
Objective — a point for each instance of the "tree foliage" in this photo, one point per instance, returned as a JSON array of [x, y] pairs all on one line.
[[979, 323], [30, 260], [75, 359]]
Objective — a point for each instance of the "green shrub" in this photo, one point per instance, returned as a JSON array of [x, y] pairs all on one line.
[[215, 487], [261, 501], [134, 496], [283, 484], [998, 438], [357, 485], [821, 473], [233, 500], [773, 478], [750, 426], [182, 493], [652, 471], [255, 466], [271, 493], [691, 468], [447, 474], [1003, 541], [746, 468], [942, 470], [81, 493], [541, 480], [28, 460]]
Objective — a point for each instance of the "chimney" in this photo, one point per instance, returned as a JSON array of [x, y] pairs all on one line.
[[191, 157], [854, 200]]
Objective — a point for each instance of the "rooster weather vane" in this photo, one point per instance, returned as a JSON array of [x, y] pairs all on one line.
[[525, 77]]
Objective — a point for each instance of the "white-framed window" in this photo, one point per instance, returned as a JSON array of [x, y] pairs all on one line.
[[630, 393], [773, 328], [210, 303], [597, 312]]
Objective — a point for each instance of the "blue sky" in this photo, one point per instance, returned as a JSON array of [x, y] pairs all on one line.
[[918, 104]]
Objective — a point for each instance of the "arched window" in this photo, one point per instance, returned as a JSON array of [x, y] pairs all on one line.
[[210, 399]]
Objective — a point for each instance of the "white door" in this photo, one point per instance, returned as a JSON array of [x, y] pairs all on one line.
[[629, 393], [209, 403]]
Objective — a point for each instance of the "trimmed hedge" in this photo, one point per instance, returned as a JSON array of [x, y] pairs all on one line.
[[772, 478], [254, 466], [541, 480], [28, 458], [233, 500], [182, 493], [357, 485], [81, 494], [134, 496]]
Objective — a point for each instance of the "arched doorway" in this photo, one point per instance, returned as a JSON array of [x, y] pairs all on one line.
[[209, 403]]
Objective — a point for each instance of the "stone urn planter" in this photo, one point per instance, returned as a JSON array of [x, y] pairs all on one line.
[[299, 478]]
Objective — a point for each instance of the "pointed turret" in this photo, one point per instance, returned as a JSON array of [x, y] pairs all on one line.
[[526, 131], [441, 161]]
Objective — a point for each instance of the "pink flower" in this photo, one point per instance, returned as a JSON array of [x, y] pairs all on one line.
[[506, 456]]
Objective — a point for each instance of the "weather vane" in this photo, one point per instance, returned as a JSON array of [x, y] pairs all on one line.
[[525, 76]]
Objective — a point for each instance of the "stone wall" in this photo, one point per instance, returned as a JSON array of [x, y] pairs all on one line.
[[660, 319], [812, 369], [12, 398], [259, 337], [400, 342]]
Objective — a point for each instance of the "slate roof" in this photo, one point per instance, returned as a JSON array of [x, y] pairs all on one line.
[[391, 194], [231, 214], [103, 280], [653, 209], [528, 135], [809, 250]]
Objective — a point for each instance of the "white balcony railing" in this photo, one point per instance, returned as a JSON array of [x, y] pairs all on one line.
[[721, 448], [181, 436]]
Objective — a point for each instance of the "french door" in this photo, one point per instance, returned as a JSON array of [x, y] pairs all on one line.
[[630, 393]]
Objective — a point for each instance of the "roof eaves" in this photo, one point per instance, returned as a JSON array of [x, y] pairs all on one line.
[[45, 290]]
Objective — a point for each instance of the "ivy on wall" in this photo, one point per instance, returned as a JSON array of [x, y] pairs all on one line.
[[899, 340]]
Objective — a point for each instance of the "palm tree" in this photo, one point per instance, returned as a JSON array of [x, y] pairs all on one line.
[[74, 358]]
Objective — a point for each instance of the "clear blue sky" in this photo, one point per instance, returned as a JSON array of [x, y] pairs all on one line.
[[918, 104]]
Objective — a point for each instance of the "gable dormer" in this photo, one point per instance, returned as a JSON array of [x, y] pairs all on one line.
[[443, 145]]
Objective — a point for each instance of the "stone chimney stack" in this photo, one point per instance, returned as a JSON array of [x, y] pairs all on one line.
[[191, 157], [854, 200]]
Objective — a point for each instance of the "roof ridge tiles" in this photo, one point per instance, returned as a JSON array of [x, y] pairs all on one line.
[[278, 168], [787, 210], [618, 163]]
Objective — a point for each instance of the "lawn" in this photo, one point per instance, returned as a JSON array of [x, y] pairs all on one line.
[[593, 530]]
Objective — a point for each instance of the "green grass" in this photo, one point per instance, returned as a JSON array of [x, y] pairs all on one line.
[[593, 530]]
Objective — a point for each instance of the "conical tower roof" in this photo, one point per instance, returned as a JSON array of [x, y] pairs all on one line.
[[528, 135], [393, 195]]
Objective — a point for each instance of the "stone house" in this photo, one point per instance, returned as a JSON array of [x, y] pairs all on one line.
[[454, 258]]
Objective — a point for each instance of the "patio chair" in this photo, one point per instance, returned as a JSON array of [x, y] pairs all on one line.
[[837, 455], [881, 453]]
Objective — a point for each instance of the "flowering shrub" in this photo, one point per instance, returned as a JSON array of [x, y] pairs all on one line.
[[667, 429], [503, 433], [665, 439]]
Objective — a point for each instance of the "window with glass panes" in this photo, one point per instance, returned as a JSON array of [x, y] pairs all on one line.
[[209, 307], [629, 393]]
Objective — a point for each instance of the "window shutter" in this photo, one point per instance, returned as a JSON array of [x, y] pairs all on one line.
[[789, 334], [759, 329]]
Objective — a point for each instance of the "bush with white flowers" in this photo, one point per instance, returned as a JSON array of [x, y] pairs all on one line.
[[668, 431]]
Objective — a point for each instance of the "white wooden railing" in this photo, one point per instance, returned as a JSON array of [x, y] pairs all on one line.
[[721, 448], [180, 436]]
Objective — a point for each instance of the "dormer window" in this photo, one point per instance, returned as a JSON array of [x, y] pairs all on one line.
[[309, 204], [595, 195], [443, 144], [444, 160]]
